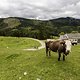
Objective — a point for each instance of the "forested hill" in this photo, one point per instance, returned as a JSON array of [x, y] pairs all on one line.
[[16, 26]]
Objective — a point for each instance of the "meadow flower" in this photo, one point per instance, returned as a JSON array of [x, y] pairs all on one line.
[[25, 73]]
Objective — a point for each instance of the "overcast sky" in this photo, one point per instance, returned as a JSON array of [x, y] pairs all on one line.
[[40, 9]]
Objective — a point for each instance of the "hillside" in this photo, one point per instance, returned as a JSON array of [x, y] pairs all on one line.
[[21, 27], [68, 21]]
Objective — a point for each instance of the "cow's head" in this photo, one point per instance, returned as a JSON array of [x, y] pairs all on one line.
[[68, 47]]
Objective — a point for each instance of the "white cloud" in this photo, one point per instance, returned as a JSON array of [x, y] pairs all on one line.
[[40, 9]]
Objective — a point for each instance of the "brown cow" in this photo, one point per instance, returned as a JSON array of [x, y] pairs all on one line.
[[59, 46]]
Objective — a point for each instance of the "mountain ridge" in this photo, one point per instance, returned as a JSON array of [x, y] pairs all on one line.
[[22, 27]]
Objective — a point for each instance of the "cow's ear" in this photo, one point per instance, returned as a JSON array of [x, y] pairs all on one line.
[[62, 42]]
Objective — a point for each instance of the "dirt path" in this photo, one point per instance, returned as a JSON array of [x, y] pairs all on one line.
[[41, 47]]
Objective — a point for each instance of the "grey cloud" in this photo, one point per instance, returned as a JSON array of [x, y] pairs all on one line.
[[42, 9]]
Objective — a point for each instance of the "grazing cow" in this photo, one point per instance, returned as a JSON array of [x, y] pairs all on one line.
[[60, 46]]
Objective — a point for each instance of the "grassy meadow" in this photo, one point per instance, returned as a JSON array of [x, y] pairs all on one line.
[[19, 64]]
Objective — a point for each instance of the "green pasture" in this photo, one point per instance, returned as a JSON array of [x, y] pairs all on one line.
[[19, 64]]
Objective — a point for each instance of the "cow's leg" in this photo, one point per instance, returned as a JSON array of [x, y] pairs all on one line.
[[59, 55], [49, 53], [46, 51], [63, 57]]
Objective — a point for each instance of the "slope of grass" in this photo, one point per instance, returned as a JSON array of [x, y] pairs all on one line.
[[17, 64], [17, 43], [11, 22]]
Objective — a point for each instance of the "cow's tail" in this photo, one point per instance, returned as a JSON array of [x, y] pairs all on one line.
[[46, 48]]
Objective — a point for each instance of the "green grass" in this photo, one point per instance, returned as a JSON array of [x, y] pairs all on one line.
[[14, 61], [17, 43]]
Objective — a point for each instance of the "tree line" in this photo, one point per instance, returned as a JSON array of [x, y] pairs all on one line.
[[20, 27]]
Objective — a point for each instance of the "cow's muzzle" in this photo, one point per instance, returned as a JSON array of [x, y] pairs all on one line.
[[67, 52]]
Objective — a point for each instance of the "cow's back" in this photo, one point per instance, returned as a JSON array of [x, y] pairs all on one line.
[[54, 45]]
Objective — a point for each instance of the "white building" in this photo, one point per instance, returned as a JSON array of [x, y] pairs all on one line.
[[71, 36]]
